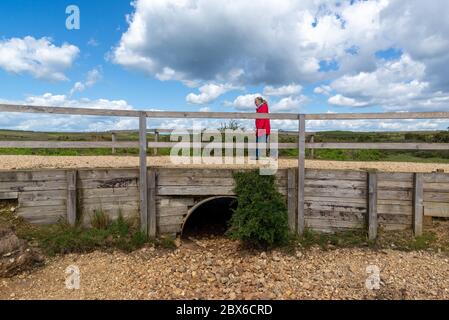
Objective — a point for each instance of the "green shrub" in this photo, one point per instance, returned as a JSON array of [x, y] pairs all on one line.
[[261, 215]]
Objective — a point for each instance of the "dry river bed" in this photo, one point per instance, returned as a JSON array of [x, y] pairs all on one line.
[[218, 268]]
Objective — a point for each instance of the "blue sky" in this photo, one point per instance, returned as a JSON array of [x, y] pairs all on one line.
[[198, 55]]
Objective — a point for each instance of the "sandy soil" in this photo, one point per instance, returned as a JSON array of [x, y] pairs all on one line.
[[219, 269], [33, 162]]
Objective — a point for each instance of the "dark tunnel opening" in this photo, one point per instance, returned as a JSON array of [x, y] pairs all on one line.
[[210, 218]]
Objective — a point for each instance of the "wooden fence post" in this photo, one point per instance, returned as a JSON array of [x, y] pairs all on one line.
[[301, 172], [71, 197], [418, 204], [291, 199], [114, 140], [152, 203], [372, 205], [156, 139], [143, 182], [312, 151]]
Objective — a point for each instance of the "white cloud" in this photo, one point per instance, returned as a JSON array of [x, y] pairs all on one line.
[[397, 85], [326, 90], [38, 57], [289, 104], [244, 102], [288, 90], [239, 42], [43, 122], [340, 100], [168, 40], [208, 93], [205, 109], [93, 76]]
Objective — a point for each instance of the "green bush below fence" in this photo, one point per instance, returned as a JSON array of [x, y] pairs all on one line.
[[261, 215]]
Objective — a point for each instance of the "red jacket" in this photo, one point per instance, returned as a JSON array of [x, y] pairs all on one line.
[[262, 123]]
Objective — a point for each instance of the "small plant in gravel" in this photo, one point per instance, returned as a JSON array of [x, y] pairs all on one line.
[[261, 215]]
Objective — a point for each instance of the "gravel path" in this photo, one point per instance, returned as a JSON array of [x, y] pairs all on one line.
[[219, 269], [34, 162]]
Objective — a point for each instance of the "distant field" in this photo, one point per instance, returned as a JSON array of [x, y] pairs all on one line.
[[328, 154]]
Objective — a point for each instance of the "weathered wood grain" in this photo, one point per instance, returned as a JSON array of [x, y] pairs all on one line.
[[372, 206], [291, 199]]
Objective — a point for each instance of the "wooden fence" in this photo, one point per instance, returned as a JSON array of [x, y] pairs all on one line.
[[147, 212]]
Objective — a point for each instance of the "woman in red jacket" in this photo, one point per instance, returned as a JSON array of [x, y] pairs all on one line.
[[262, 125]]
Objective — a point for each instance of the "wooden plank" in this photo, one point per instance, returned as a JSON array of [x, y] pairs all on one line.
[[156, 139], [312, 151], [162, 173], [171, 229], [395, 176], [107, 174], [337, 208], [44, 220], [394, 209], [418, 204], [112, 199], [220, 115], [42, 211], [163, 202], [332, 199], [386, 219], [172, 211], [335, 192], [301, 173], [291, 199], [67, 144], [201, 190], [39, 175], [150, 114], [433, 196], [439, 187], [372, 206], [378, 146], [125, 206], [216, 145], [35, 196], [114, 140], [195, 190], [33, 204], [394, 185], [143, 176], [121, 192], [189, 181], [170, 220], [378, 116], [435, 209], [395, 194], [33, 186], [319, 174], [436, 177], [71, 197], [152, 203], [349, 184], [9, 195], [333, 223], [109, 184]]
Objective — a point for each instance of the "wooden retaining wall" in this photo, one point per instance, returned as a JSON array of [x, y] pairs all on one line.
[[334, 200]]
